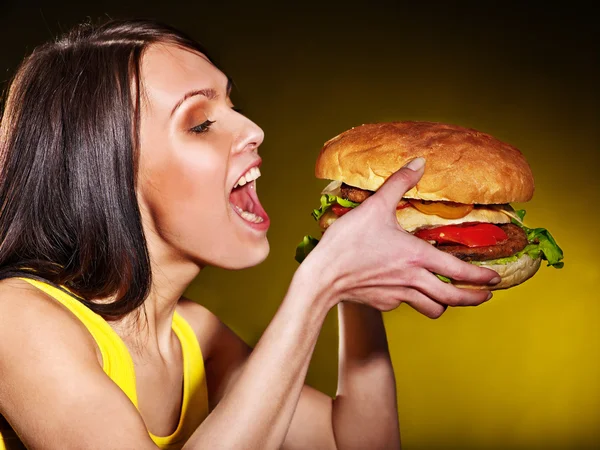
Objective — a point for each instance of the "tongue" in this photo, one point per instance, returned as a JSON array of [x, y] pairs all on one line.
[[240, 197], [245, 197]]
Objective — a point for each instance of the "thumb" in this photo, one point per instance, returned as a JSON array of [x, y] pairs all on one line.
[[401, 181]]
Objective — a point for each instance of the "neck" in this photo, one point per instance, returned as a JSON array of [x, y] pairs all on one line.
[[171, 275]]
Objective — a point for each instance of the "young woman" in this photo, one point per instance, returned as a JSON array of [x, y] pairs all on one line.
[[121, 154]]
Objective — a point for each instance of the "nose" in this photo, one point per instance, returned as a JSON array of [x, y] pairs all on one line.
[[251, 137]]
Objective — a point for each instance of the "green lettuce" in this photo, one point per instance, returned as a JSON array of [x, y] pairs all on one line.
[[443, 278], [309, 242], [541, 243], [305, 247], [327, 200]]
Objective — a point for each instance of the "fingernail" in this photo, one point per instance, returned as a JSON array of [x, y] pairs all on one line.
[[495, 280], [490, 295], [415, 164]]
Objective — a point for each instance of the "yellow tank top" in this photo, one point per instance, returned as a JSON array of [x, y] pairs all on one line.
[[118, 365]]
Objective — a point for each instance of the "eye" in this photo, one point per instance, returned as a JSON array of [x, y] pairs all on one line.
[[203, 127]]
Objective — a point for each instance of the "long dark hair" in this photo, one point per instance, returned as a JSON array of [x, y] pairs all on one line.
[[69, 140]]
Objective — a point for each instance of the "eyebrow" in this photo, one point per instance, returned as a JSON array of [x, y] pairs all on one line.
[[209, 93]]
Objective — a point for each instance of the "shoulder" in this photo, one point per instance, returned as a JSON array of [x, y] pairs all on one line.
[[213, 335], [51, 378], [31, 321]]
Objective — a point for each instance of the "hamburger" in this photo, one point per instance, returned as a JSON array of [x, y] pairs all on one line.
[[462, 203]]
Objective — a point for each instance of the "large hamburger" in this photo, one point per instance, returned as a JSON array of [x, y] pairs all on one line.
[[461, 205]]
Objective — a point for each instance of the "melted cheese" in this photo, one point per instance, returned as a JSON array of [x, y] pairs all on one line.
[[411, 219]]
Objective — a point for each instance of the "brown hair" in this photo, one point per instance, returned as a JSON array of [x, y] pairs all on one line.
[[69, 140]]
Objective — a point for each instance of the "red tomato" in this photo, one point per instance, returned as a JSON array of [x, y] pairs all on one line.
[[340, 210], [471, 235], [403, 204]]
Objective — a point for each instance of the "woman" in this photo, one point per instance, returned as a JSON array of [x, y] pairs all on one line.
[[121, 161]]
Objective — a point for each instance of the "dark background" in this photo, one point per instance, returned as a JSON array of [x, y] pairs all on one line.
[[519, 372]]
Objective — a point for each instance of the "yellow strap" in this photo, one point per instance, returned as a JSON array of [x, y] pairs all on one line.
[[194, 407]]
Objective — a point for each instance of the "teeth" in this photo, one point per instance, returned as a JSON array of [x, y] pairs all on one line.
[[250, 217], [249, 176]]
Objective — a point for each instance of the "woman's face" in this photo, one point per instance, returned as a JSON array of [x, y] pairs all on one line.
[[195, 149]]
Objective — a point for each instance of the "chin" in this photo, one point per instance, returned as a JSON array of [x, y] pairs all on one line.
[[249, 256], [257, 256]]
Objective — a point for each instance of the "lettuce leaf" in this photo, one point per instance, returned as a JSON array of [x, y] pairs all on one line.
[[305, 247], [541, 243], [521, 214], [443, 278], [327, 200], [309, 242]]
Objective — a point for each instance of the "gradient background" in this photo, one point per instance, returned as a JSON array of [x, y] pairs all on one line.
[[520, 372]]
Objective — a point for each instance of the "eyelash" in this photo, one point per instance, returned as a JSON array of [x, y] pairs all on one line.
[[203, 127]]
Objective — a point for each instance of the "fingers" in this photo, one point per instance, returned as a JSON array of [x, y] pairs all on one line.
[[401, 181], [390, 297], [421, 303], [445, 264], [446, 293]]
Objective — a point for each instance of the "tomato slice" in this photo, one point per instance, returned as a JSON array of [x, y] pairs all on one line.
[[471, 235], [403, 204], [340, 210], [447, 210]]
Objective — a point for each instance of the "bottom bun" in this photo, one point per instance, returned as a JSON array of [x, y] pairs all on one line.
[[512, 273]]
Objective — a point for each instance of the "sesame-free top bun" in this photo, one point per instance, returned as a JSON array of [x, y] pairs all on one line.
[[462, 165]]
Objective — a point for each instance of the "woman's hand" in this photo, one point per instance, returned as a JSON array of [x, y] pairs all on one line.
[[366, 257]]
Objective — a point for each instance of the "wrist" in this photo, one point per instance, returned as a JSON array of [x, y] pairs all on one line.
[[316, 280]]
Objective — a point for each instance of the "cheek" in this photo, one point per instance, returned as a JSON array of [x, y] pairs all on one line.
[[186, 192]]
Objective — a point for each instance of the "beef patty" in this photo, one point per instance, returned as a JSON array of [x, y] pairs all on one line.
[[517, 240], [354, 194]]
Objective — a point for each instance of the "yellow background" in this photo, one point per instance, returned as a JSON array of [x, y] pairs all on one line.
[[520, 372]]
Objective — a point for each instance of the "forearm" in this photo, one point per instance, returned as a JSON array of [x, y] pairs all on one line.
[[364, 412], [256, 412]]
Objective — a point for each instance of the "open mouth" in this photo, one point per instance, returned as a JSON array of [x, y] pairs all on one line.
[[245, 202]]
